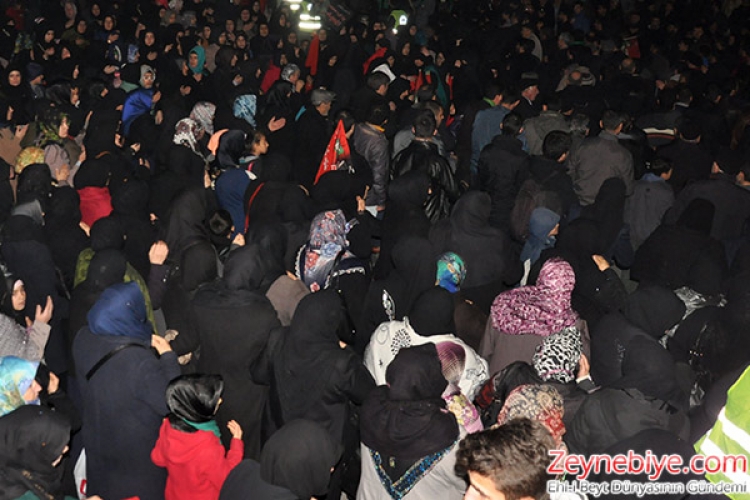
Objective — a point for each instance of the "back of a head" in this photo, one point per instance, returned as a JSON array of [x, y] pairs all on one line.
[[515, 456], [299, 457], [425, 125], [318, 317], [194, 397], [107, 268], [512, 124], [121, 311], [378, 114], [415, 374], [245, 269], [107, 233], [611, 120], [376, 80], [698, 216], [556, 143], [432, 313]]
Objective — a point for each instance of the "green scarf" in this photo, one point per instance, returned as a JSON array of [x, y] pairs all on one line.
[[210, 426]]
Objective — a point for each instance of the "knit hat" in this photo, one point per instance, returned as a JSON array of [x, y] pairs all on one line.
[[33, 70]]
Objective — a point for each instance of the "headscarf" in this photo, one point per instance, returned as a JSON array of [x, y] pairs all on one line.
[[107, 268], [247, 270], [203, 113], [541, 310], [121, 311], [145, 68], [654, 309], [245, 107], [6, 304], [310, 346], [556, 358], [192, 401], [201, 53], [649, 368], [231, 147], [32, 438], [451, 271], [542, 403], [404, 423], [186, 134], [541, 222], [432, 313], [185, 224], [326, 243], [28, 156], [698, 216], [16, 376], [100, 135], [299, 457]]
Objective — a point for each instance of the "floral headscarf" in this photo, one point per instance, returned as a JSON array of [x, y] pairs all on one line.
[[203, 113], [451, 271], [556, 359], [542, 403], [542, 309], [186, 134], [327, 242], [245, 107], [16, 376]]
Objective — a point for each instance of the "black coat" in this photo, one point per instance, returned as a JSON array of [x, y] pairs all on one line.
[[124, 407], [503, 166]]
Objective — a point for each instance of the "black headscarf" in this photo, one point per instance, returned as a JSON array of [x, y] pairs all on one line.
[[6, 303], [648, 367], [245, 269], [31, 438], [194, 398], [414, 271], [107, 233], [607, 210], [432, 313], [405, 420], [299, 457], [698, 216], [309, 347], [654, 309], [100, 134], [186, 222], [231, 147]]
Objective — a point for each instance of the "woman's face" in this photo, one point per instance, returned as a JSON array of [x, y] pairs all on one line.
[[18, 299], [406, 49], [149, 39], [49, 36], [70, 10], [96, 11], [229, 25], [282, 20], [263, 30], [245, 15], [292, 38], [14, 78], [260, 147], [241, 42], [81, 27], [32, 393], [223, 39], [64, 128], [109, 23], [193, 60]]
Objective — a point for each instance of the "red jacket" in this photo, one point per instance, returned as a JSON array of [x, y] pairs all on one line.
[[195, 461]]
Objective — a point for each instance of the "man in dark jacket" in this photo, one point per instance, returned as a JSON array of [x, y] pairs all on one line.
[[423, 155], [314, 130], [503, 166], [371, 143], [549, 172], [599, 158], [492, 97], [690, 160]]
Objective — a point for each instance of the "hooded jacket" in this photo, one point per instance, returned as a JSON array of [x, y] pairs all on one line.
[[195, 461]]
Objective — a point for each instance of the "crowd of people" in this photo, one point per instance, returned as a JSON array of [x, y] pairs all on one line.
[[405, 255]]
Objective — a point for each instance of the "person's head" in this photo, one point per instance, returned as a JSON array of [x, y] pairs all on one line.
[[425, 125], [378, 82], [108, 23], [14, 78], [579, 125], [322, 100], [259, 144], [378, 114], [290, 73], [18, 386], [451, 271], [506, 463], [263, 29], [148, 76], [493, 92], [18, 295], [436, 109], [511, 97], [193, 399], [556, 145], [220, 224], [612, 121], [426, 93], [512, 125], [661, 167]]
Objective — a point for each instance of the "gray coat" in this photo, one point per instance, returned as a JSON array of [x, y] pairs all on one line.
[[596, 160]]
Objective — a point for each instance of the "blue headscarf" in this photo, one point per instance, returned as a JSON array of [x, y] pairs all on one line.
[[16, 376], [121, 311], [451, 271], [201, 53], [245, 107], [542, 221]]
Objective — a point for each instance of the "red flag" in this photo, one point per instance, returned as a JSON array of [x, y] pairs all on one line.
[[337, 149], [312, 55], [378, 54]]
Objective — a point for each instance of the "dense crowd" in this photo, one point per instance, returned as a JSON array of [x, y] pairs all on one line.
[[402, 254]]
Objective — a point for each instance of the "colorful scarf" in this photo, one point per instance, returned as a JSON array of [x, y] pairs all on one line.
[[16, 376], [451, 271], [327, 241], [186, 134], [542, 309], [542, 403]]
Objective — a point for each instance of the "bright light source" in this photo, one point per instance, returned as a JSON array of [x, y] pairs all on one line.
[[309, 25], [402, 20], [294, 7]]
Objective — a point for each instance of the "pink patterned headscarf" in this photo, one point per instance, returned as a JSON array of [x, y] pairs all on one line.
[[542, 309]]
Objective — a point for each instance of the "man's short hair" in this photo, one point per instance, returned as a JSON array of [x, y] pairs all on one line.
[[611, 120], [512, 124], [659, 166], [492, 89], [514, 455], [579, 124], [433, 106], [425, 124], [378, 114], [377, 79], [556, 144], [511, 95], [425, 93]]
